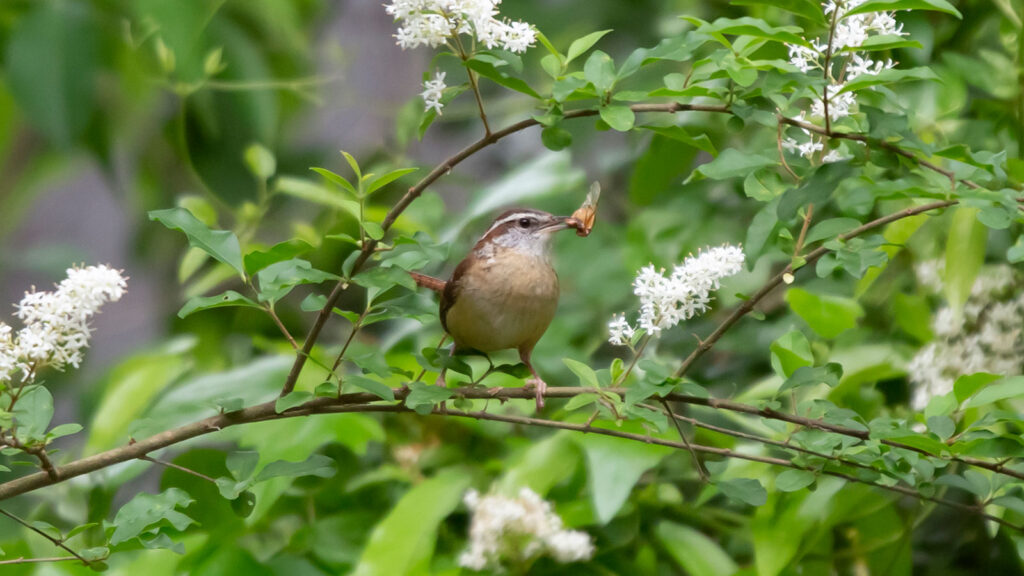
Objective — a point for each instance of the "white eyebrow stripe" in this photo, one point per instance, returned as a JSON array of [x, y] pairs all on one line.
[[511, 218]]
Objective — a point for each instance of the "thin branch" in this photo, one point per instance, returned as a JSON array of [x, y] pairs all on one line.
[[827, 71], [782, 155], [178, 467], [748, 305], [803, 231], [280, 325], [696, 459], [53, 540], [363, 402], [24, 560]]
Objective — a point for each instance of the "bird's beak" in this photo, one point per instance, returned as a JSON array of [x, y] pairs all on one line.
[[560, 223]]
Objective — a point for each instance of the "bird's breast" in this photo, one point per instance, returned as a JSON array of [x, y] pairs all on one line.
[[506, 300]]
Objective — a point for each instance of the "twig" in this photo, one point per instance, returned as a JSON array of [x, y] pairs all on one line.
[[696, 459], [782, 155], [280, 325], [803, 231], [748, 305], [53, 540], [827, 71], [178, 467], [24, 560]]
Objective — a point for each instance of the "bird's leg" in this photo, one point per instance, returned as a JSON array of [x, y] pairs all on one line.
[[540, 387]]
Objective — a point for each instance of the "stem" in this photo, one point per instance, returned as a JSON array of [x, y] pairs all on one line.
[[53, 540], [178, 467], [748, 305], [782, 155], [696, 460], [636, 357], [803, 231], [280, 325], [348, 341], [828, 62], [24, 560], [473, 85]]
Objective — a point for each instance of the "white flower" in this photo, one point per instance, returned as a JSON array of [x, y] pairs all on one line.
[[433, 22], [56, 324], [983, 337], [685, 293], [433, 91], [619, 330], [517, 530]]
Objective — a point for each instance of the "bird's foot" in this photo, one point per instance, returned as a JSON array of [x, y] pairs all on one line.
[[540, 388]]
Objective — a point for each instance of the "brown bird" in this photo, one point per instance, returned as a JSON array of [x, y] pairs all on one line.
[[504, 294]]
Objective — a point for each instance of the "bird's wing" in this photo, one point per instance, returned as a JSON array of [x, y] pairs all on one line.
[[435, 284]]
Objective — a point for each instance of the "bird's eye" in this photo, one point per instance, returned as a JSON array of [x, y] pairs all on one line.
[[525, 222]]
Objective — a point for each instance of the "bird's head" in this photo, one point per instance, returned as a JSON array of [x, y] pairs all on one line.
[[524, 230]]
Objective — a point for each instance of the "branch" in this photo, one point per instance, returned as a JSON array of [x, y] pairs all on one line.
[[53, 540], [363, 402], [812, 257]]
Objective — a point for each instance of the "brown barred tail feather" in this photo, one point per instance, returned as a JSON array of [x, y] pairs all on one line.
[[435, 284]]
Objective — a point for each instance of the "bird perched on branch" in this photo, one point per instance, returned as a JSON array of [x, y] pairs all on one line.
[[503, 295]]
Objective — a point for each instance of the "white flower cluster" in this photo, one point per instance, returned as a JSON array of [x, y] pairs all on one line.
[[518, 530], [983, 337], [433, 22], [850, 32], [433, 89], [668, 300], [56, 324]]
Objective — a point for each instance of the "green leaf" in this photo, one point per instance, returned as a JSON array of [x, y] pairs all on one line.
[[614, 466], [385, 179], [890, 76], [966, 385], [746, 490], [242, 464], [586, 374], [372, 386], [353, 165], [145, 510], [51, 67], [815, 190], [758, 28], [582, 44], [829, 374], [826, 314], [789, 352], [221, 244], [403, 542], [313, 192], [695, 553], [62, 430], [226, 300], [680, 134], [278, 279], [244, 504], [620, 118], [730, 164], [829, 229], [581, 400], [1010, 387], [292, 399], [33, 413], [793, 480], [808, 9], [489, 71], [422, 397], [942, 426], [1015, 253], [913, 315], [315, 465], [373, 230], [556, 138], [260, 259], [965, 253], [599, 70], [260, 161], [889, 5]]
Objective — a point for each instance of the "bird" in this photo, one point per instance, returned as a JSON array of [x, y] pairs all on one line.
[[504, 293]]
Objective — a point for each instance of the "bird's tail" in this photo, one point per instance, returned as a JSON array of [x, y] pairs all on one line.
[[435, 284]]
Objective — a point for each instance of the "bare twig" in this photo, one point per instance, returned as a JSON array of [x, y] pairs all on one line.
[[178, 467], [24, 560], [280, 325], [696, 459]]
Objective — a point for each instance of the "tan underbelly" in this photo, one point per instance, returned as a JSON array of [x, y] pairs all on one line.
[[513, 311]]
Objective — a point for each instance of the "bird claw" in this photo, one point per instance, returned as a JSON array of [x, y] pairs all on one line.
[[540, 388]]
